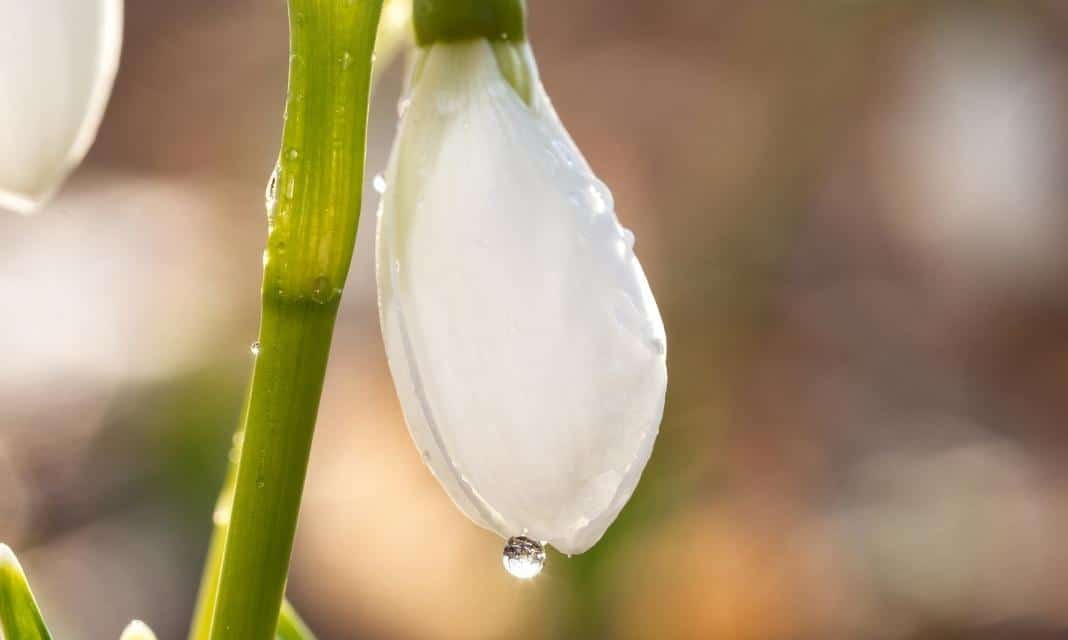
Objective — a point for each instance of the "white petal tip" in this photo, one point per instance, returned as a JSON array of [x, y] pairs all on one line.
[[7, 557], [21, 203], [137, 630]]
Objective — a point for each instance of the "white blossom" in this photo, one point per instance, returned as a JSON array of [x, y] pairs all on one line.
[[58, 60], [524, 341]]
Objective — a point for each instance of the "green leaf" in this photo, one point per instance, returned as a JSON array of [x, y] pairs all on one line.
[[20, 618], [290, 626]]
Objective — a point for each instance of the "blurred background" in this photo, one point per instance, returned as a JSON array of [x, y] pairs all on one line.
[[852, 213]]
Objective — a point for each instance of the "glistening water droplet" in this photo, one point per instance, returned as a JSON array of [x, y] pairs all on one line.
[[255, 348], [322, 290], [221, 516], [379, 183], [271, 195], [523, 557]]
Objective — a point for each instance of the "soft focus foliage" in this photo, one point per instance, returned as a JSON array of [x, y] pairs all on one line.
[[851, 212]]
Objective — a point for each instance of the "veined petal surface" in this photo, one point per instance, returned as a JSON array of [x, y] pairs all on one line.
[[525, 344], [58, 60]]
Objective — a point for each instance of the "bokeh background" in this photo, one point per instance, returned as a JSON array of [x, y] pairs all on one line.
[[852, 213]]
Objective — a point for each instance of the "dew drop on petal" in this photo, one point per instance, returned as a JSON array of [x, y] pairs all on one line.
[[402, 106], [628, 239], [379, 183], [563, 152], [523, 557]]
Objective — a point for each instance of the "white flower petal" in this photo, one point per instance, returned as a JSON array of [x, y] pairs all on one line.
[[525, 344], [58, 60]]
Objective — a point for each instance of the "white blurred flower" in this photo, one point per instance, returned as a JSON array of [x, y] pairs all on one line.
[[137, 630], [58, 60], [973, 144], [525, 344]]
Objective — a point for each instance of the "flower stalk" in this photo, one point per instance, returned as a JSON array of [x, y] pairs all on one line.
[[313, 208]]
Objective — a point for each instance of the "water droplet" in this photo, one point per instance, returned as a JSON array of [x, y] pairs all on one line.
[[293, 154], [523, 557], [660, 348], [271, 194], [563, 152], [379, 183], [628, 239], [260, 484], [598, 196], [345, 59], [221, 516], [323, 290], [402, 106], [255, 349]]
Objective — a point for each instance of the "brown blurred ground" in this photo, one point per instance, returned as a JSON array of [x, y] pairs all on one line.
[[852, 213]]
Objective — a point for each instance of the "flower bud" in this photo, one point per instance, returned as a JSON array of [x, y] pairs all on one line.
[[526, 347]]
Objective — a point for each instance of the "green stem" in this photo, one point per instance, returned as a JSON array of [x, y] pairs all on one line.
[[314, 210]]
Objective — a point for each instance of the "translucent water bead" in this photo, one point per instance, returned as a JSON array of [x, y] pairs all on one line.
[[523, 557]]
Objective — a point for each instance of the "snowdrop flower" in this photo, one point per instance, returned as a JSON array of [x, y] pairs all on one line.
[[137, 630], [58, 60], [523, 339]]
